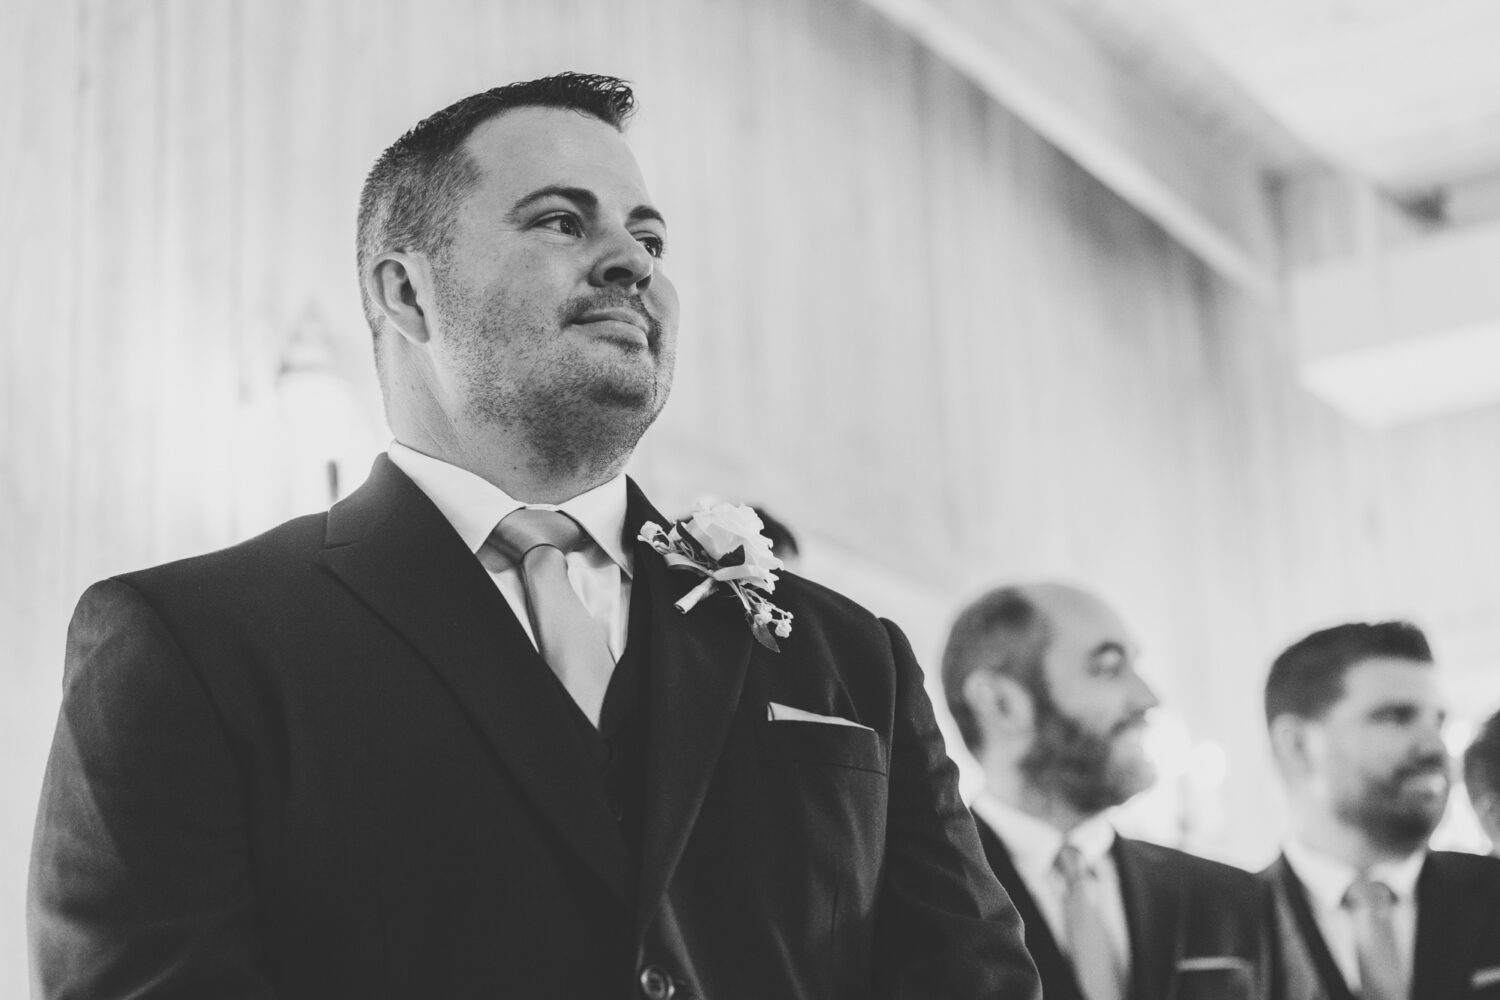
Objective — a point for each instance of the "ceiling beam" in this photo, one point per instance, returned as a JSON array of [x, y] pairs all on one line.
[[1396, 318], [1032, 58]]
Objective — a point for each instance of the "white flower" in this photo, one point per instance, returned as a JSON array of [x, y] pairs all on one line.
[[725, 546], [724, 527]]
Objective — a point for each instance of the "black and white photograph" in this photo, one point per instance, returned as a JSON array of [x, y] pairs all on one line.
[[750, 499]]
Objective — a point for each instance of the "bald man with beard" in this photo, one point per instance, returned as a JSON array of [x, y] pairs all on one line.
[[1042, 682]]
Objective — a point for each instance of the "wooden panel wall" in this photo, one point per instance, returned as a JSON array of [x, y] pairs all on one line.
[[940, 350]]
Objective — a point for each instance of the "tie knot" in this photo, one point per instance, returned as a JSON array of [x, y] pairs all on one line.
[[522, 530], [1072, 865], [1369, 895]]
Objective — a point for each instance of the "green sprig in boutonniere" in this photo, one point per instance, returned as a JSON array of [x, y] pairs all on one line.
[[724, 545]]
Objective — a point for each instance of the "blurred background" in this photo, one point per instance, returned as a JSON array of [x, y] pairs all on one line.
[[1193, 302]]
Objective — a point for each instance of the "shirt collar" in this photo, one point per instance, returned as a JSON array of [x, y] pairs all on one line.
[[474, 505], [1034, 843], [1327, 878]]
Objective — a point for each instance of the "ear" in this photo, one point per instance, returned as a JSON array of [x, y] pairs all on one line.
[[1001, 704], [400, 285], [1290, 744]]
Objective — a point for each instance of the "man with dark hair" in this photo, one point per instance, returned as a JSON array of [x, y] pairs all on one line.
[[452, 738], [1364, 909], [1041, 680], [1482, 779]]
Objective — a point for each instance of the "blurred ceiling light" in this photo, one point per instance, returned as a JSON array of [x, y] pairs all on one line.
[[1411, 379]]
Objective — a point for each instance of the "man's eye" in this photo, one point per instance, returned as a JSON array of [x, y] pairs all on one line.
[[564, 223], [1107, 663], [655, 245]]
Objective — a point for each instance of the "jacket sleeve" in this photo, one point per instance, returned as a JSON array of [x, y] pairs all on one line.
[[945, 927], [140, 879]]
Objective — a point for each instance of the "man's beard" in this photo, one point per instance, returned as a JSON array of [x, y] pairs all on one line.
[[1391, 818], [579, 413], [1070, 760]]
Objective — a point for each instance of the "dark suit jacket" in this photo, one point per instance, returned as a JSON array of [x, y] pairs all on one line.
[[1199, 930], [328, 763], [1457, 952]]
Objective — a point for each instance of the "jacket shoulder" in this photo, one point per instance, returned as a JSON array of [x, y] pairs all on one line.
[[1471, 870], [1202, 874], [293, 541], [833, 623], [259, 572], [822, 600]]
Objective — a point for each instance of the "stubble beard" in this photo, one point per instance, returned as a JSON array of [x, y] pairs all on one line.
[[1392, 821], [585, 415], [1070, 761]]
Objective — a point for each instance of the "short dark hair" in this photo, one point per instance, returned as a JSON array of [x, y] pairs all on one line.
[[1307, 679], [1003, 632], [1482, 759], [411, 196]]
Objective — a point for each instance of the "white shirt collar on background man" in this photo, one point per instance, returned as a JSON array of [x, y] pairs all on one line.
[[1033, 845], [1327, 879], [600, 572]]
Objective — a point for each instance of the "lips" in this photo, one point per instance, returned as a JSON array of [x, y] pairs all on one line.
[[1134, 724], [616, 315], [1427, 780]]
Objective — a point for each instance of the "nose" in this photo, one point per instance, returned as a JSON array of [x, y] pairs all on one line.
[[624, 262], [1143, 698], [1429, 741]]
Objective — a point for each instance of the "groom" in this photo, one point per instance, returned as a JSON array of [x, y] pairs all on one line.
[[451, 739]]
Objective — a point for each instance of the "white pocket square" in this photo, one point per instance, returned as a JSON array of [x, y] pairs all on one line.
[[1212, 963], [786, 713], [1484, 977]]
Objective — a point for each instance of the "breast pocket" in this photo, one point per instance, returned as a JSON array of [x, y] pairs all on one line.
[[822, 743]]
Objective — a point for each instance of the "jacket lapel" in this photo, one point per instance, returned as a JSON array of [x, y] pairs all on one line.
[[396, 552], [1153, 917], [698, 665], [1308, 969], [1450, 920], [1058, 979]]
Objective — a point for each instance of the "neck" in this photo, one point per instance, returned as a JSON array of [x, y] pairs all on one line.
[[1330, 837], [1007, 785], [502, 458]]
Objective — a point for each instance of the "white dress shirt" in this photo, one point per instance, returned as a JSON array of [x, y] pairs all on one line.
[[1033, 846], [599, 572], [1327, 880]]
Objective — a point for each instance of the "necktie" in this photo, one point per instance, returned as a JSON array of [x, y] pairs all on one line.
[[571, 642], [1371, 904], [1094, 962]]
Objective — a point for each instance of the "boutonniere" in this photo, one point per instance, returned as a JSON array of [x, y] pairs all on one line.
[[724, 545]]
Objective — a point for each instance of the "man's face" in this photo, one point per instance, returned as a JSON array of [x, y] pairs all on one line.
[[1090, 714], [1377, 759], [553, 314]]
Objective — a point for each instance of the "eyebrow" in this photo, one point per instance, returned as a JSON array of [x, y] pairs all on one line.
[[1404, 705], [582, 197]]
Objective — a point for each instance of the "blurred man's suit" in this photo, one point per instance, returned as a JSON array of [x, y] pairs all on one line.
[[1457, 951], [329, 763], [1197, 928]]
